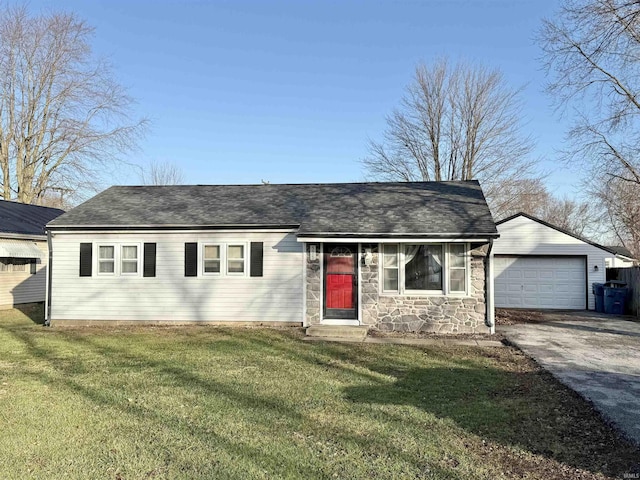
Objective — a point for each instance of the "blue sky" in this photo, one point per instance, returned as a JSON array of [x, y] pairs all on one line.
[[241, 91]]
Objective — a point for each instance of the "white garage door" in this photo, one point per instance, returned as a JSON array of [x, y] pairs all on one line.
[[540, 282]]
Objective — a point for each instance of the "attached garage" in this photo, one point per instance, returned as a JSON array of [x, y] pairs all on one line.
[[538, 265]]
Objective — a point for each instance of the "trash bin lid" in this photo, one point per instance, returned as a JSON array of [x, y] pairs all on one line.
[[615, 283]]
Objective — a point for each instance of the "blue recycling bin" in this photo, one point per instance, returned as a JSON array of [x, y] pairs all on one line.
[[598, 292], [614, 300]]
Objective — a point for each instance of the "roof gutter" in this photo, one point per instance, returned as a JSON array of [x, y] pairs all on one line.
[[22, 236], [105, 228], [396, 238]]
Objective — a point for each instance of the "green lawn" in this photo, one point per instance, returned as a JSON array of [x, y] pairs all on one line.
[[206, 402]]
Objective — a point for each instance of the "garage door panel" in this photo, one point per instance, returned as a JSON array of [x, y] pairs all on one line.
[[546, 275], [540, 282], [546, 289]]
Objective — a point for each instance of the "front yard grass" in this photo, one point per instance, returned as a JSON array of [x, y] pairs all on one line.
[[206, 402]]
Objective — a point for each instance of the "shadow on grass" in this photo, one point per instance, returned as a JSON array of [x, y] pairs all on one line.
[[529, 410], [33, 311], [522, 409]]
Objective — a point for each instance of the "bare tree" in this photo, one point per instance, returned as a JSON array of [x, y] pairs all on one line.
[[162, 173], [622, 211], [532, 197], [63, 117], [572, 215], [592, 54], [456, 123]]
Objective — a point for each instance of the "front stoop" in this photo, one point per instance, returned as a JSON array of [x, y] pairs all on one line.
[[356, 333]]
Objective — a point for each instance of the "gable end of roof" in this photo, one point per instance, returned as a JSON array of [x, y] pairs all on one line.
[[554, 227]]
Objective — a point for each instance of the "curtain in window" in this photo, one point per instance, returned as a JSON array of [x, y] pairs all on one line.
[[410, 252]]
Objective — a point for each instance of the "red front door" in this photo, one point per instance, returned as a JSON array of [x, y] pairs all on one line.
[[340, 267]]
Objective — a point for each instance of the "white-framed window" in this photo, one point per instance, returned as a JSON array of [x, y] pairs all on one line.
[[118, 259], [106, 259], [236, 259], [211, 259], [390, 267], [457, 267], [129, 259], [424, 268]]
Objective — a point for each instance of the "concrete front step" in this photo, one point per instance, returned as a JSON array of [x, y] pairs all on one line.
[[337, 331]]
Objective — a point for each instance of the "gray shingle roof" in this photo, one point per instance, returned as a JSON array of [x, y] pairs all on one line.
[[623, 251], [358, 208], [25, 219]]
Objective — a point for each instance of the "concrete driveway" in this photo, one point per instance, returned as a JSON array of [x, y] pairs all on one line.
[[598, 356]]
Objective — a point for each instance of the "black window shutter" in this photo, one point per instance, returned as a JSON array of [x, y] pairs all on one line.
[[256, 259], [33, 266], [190, 259], [85, 259], [149, 267]]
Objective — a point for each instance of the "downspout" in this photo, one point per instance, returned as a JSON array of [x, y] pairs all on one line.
[[47, 320], [490, 316]]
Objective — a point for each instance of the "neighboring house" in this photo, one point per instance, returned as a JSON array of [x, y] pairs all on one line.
[[396, 256], [23, 252], [538, 265], [622, 258]]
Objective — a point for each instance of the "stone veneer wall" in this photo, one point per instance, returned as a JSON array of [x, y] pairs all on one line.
[[401, 313], [442, 314], [314, 295]]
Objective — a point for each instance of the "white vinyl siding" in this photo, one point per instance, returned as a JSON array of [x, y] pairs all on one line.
[[522, 236], [170, 295], [22, 286]]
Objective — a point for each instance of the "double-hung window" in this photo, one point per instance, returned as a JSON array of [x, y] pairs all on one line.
[[129, 260], [211, 258], [457, 268], [235, 259], [106, 260], [390, 267], [425, 268], [119, 259]]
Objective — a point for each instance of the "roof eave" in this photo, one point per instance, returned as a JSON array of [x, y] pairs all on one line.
[[109, 228], [394, 237], [22, 236]]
